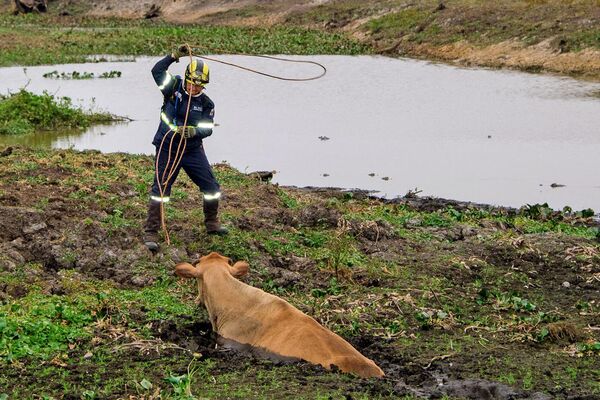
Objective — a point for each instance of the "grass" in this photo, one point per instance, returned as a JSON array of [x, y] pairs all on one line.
[[485, 23], [586, 39], [25, 112], [96, 316], [340, 13], [419, 29], [479, 23], [554, 31], [41, 326], [399, 23], [40, 39], [77, 328]]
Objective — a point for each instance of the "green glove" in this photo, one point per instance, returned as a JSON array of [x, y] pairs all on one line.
[[181, 51]]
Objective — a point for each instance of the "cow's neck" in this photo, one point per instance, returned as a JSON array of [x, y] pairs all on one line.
[[229, 303], [221, 296]]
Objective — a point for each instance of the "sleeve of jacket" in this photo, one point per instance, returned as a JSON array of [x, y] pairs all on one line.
[[205, 126], [164, 80]]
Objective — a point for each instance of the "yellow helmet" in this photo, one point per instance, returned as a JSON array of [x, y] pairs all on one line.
[[197, 72]]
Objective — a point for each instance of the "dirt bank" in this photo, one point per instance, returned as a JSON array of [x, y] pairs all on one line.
[[549, 35], [449, 298]]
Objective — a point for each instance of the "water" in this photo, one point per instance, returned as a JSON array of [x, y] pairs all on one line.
[[487, 136]]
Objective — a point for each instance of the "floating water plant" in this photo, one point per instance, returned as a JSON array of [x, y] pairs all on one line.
[[25, 112], [81, 75]]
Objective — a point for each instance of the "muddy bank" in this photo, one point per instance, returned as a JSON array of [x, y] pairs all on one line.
[[449, 298], [550, 36], [542, 57], [403, 377]]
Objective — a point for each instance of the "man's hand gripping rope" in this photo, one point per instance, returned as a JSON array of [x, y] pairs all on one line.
[[187, 132], [181, 51]]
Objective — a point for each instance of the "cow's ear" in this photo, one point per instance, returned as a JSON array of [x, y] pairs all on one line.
[[239, 269], [186, 270]]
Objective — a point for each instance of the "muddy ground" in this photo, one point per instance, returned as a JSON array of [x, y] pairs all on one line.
[[450, 299], [546, 35]]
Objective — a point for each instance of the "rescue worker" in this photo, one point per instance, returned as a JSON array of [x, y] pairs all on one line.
[[176, 92]]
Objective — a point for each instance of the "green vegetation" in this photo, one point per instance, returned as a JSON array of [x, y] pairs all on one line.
[[338, 13], [93, 315], [25, 112], [573, 25], [471, 31], [85, 312], [401, 23], [485, 23], [81, 75], [586, 39], [41, 326], [40, 39], [458, 30]]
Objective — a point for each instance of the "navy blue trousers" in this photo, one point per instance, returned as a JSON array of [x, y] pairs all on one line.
[[194, 163]]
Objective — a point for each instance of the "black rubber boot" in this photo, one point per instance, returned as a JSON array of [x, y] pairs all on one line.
[[152, 226], [211, 218]]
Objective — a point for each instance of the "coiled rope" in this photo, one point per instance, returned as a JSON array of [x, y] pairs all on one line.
[[162, 182]]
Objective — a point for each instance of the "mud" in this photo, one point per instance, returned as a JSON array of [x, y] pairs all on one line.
[[552, 52], [315, 215], [509, 54], [58, 238], [403, 378], [51, 229]]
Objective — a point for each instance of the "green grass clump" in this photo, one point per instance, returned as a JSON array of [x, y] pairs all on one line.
[[585, 38], [42, 325], [405, 20], [157, 301], [417, 25], [25, 112]]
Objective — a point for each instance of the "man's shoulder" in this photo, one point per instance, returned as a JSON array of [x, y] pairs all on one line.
[[206, 101]]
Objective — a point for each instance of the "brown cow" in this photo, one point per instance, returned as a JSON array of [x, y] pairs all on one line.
[[247, 315]]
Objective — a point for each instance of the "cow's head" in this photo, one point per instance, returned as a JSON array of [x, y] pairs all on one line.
[[213, 260]]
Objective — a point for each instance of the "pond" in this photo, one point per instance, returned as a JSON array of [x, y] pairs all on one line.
[[376, 123]]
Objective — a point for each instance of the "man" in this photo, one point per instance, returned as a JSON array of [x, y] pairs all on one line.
[[177, 92]]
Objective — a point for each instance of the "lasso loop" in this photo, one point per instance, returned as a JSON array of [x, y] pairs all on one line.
[[162, 182], [322, 74]]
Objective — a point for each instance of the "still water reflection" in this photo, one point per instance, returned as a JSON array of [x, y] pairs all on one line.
[[389, 125]]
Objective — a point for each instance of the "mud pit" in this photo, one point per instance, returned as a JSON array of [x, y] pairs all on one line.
[[464, 305], [403, 378]]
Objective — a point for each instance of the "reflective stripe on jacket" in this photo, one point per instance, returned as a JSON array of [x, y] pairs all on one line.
[[175, 101]]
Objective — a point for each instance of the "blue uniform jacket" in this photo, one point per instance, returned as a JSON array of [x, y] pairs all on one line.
[[202, 109]]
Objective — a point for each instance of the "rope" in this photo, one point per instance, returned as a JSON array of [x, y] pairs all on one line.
[[174, 166], [322, 74], [176, 161], [179, 153]]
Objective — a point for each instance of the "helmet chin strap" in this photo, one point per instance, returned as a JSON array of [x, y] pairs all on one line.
[[193, 95]]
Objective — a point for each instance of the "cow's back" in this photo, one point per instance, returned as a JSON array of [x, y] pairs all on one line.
[[291, 333], [266, 321]]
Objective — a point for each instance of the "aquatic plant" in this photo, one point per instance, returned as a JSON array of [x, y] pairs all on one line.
[[69, 75], [25, 112], [81, 75], [131, 38]]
